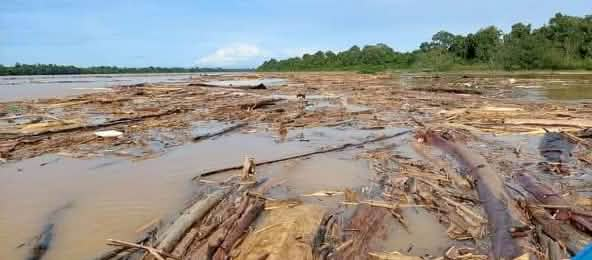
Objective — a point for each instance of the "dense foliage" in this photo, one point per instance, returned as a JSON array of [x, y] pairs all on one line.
[[52, 69], [564, 43]]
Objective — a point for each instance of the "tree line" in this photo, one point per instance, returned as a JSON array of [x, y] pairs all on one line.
[[564, 43], [53, 69]]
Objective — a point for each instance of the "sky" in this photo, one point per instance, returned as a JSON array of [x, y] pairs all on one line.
[[241, 33]]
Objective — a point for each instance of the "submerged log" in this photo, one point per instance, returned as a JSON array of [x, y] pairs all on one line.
[[190, 216], [42, 242], [502, 212]]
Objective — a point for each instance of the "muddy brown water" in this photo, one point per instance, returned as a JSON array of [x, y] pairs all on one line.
[[33, 87], [537, 86], [113, 197]]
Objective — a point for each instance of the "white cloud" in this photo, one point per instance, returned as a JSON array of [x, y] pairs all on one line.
[[234, 55]]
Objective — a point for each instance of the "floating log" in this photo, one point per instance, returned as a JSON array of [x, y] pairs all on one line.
[[220, 132], [449, 90], [338, 148], [502, 213], [186, 220], [209, 85]]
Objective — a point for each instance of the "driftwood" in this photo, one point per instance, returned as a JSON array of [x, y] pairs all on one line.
[[334, 149], [96, 126], [111, 254], [157, 253], [573, 240], [190, 216], [456, 178], [503, 215], [449, 90], [236, 232], [220, 132], [259, 104], [581, 123], [547, 195], [544, 194], [209, 85], [367, 221]]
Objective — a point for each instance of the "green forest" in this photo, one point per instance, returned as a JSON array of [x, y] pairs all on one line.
[[564, 43], [52, 69]]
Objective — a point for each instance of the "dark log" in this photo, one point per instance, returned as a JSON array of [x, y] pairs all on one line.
[[335, 149], [449, 90], [574, 240], [544, 194], [239, 229], [502, 212], [367, 220], [209, 85], [219, 132], [42, 242]]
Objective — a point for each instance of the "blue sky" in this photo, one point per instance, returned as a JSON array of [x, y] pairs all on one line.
[[241, 33]]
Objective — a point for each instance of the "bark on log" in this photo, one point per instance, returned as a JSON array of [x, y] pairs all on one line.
[[547, 195], [190, 216], [543, 193], [367, 221], [502, 212], [571, 238], [335, 149], [239, 229]]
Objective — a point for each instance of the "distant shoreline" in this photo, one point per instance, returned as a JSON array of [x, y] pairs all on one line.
[[53, 69]]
